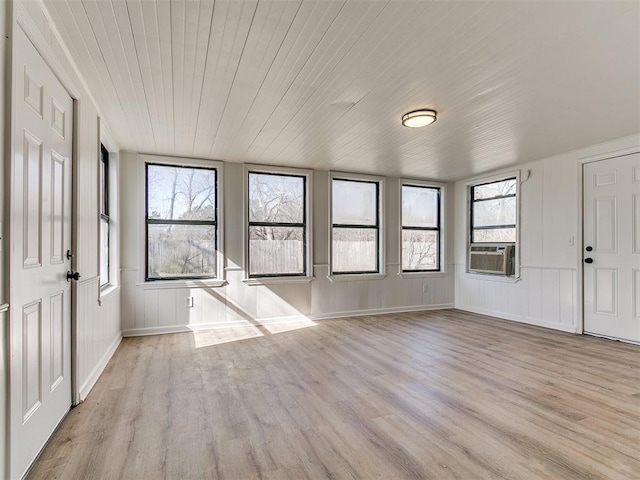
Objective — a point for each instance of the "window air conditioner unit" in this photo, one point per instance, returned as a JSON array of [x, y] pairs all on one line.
[[496, 259]]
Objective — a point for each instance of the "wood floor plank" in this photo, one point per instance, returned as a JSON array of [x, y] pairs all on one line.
[[433, 395]]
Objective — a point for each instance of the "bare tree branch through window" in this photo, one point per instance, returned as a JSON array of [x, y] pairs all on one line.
[[181, 222]]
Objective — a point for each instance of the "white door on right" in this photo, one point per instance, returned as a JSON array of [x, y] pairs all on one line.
[[611, 249]]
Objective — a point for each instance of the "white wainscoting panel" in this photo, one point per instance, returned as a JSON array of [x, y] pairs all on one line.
[[542, 296], [98, 330], [148, 310]]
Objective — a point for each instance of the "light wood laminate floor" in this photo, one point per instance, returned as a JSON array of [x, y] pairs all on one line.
[[440, 395]]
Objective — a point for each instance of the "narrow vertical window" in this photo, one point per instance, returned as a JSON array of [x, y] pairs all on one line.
[[277, 227], [104, 217], [181, 222], [355, 226], [421, 235]]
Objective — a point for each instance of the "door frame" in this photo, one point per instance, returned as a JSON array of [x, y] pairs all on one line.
[[23, 20], [580, 233]]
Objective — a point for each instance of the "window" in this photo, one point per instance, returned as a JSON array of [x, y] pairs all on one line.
[[104, 217], [181, 222], [277, 224], [494, 211], [420, 218], [355, 226]]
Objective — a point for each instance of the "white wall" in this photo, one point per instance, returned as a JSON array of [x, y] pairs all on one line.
[[154, 308], [97, 321], [547, 293]]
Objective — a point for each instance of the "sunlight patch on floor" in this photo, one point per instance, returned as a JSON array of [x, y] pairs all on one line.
[[288, 326], [221, 335], [218, 336]]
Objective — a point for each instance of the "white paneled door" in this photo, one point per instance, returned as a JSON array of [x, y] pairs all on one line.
[[40, 323], [611, 248]]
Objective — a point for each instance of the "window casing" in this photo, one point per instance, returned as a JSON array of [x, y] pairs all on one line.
[[494, 211], [421, 236], [105, 221], [356, 242], [277, 223], [181, 222]]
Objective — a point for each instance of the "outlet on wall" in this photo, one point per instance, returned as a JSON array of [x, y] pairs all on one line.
[[425, 288], [188, 302]]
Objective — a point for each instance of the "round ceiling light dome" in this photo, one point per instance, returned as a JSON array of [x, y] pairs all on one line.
[[419, 118]]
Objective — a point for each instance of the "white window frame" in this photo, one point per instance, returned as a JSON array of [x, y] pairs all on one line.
[[442, 253], [220, 280], [381, 227], [275, 279], [516, 260]]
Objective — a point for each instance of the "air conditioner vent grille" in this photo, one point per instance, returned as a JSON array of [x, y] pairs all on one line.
[[495, 259]]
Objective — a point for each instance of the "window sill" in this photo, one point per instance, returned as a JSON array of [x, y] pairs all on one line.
[[406, 275], [169, 284], [492, 278], [252, 282], [356, 276], [107, 292]]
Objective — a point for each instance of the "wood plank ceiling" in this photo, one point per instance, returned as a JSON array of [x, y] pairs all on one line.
[[323, 84]]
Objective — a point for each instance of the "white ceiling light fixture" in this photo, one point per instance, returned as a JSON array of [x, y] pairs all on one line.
[[419, 118]]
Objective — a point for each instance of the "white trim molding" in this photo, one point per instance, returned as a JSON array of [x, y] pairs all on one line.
[[93, 377], [173, 284], [275, 280], [381, 311], [354, 277], [106, 293], [519, 319]]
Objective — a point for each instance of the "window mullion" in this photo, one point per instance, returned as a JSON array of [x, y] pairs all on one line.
[[495, 227], [353, 225], [158, 221], [432, 229], [478, 200], [276, 224]]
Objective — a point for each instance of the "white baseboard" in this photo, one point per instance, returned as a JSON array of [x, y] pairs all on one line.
[[518, 318], [99, 368], [136, 332], [140, 332], [380, 311]]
